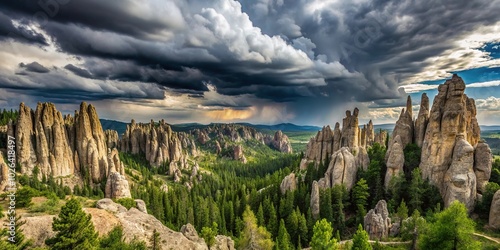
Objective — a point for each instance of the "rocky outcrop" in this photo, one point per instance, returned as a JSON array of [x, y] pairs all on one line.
[[377, 222], [341, 170], [117, 186], [322, 145], [280, 142], [404, 128], [460, 179], [4, 173], [111, 138], [395, 161], [315, 199], [289, 183], [66, 146], [380, 137], [494, 220], [370, 133], [157, 142], [141, 206], [109, 205], [447, 158], [223, 242], [350, 129], [482, 165], [238, 154], [422, 120]]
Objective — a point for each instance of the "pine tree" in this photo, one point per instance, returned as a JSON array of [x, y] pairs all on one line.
[[74, 229], [283, 241], [402, 212], [360, 196], [155, 240], [253, 236], [260, 216], [322, 236], [360, 240], [453, 229], [415, 190]]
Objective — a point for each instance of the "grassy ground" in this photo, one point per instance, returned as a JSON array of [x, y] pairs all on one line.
[[299, 140]]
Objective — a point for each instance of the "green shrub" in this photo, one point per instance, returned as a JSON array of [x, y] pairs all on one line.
[[126, 202]]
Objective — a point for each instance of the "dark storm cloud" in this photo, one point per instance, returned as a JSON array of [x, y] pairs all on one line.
[[34, 67], [333, 51], [20, 33]]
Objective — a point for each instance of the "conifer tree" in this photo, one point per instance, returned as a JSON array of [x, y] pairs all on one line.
[[253, 236], [360, 240], [283, 241], [74, 229], [155, 240], [322, 236]]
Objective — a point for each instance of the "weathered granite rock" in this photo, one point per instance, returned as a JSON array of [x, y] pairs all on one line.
[[350, 129], [370, 134], [494, 220], [141, 206], [117, 186], [4, 173], [321, 146], [342, 169], [238, 154], [395, 161], [452, 117], [189, 231], [281, 143], [422, 120], [223, 242], [109, 205], [111, 138], [404, 128], [362, 159], [380, 137], [315, 199], [377, 222], [25, 135], [289, 183], [460, 179], [482, 165]]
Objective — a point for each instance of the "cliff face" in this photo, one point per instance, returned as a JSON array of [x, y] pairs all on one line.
[[64, 146]]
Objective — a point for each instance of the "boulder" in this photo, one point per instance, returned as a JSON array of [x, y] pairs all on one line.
[[494, 220], [141, 206], [109, 205], [377, 222]]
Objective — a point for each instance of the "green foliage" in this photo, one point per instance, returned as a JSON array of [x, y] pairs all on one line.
[[452, 229], [322, 236], [50, 206], [74, 229], [360, 196], [209, 233], [24, 195], [16, 241], [283, 241], [412, 153], [495, 171], [126, 202], [402, 212], [155, 240], [253, 236], [360, 240], [413, 227]]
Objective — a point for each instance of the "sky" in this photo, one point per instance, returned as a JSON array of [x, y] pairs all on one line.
[[262, 61]]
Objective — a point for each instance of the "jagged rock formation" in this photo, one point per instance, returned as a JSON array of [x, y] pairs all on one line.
[[279, 142], [350, 129], [223, 242], [238, 154], [404, 129], [111, 138], [65, 146], [482, 165], [157, 142], [422, 120], [448, 148], [323, 145], [395, 161], [494, 220], [377, 221], [117, 186], [289, 183], [315, 199], [380, 137]]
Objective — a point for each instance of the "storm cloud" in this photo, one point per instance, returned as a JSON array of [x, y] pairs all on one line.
[[255, 55]]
